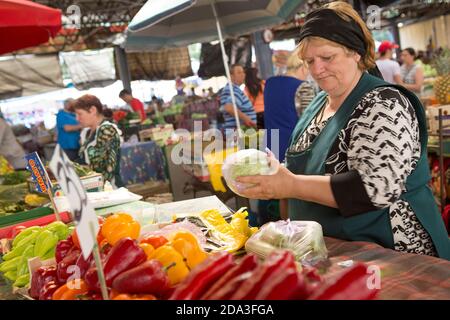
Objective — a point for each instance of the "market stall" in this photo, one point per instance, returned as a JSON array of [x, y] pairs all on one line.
[[402, 276]]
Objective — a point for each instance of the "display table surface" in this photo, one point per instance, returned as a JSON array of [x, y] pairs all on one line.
[[142, 162], [403, 275]]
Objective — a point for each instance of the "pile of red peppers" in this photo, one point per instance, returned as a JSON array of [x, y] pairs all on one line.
[[131, 273], [277, 278]]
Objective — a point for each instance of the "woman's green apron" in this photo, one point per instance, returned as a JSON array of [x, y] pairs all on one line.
[[374, 226]]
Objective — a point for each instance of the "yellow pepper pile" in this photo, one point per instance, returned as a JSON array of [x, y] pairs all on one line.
[[179, 256], [233, 234]]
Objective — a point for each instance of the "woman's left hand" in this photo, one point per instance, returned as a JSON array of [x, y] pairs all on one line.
[[277, 186]]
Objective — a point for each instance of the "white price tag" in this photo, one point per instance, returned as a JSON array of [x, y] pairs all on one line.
[[82, 211]]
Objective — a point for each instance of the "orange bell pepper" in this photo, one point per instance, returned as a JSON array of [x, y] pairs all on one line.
[[71, 290], [124, 296], [118, 226], [148, 249], [100, 237]]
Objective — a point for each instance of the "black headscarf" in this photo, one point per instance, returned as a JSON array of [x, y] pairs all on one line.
[[327, 24]]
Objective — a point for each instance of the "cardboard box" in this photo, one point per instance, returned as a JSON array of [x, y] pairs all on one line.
[[433, 119], [91, 183]]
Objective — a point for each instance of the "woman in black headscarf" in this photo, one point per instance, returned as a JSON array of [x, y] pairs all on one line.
[[357, 160]]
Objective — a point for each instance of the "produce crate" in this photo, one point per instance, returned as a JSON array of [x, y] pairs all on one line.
[[433, 119], [91, 183]]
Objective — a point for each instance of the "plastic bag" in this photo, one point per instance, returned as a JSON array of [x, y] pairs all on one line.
[[173, 228], [303, 238], [247, 162]]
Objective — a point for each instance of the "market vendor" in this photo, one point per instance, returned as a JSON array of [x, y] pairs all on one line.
[[357, 161], [100, 140]]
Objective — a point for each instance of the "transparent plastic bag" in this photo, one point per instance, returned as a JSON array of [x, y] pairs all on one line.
[[248, 162], [303, 238]]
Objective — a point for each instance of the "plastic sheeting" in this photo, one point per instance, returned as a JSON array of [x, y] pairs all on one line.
[[28, 75]]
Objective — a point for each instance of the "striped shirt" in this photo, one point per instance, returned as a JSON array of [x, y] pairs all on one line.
[[242, 102]]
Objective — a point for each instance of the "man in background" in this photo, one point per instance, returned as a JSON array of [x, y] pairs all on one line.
[[134, 103], [68, 130], [246, 113], [389, 68]]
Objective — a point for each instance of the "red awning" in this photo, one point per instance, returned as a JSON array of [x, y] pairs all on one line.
[[26, 24]]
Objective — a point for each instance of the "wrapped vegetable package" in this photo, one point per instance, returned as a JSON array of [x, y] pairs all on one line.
[[303, 238], [247, 163]]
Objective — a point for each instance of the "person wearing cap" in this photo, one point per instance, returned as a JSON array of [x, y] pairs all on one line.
[[357, 159], [390, 69]]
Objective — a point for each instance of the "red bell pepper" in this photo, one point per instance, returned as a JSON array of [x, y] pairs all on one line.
[[155, 241], [248, 263], [277, 261], [351, 284], [124, 255], [228, 289], [203, 276], [63, 248], [84, 265], [41, 276], [148, 277], [70, 259], [281, 286], [48, 290]]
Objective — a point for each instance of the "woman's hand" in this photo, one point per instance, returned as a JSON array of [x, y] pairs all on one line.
[[277, 186]]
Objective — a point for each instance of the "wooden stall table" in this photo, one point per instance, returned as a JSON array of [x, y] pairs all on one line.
[[404, 276]]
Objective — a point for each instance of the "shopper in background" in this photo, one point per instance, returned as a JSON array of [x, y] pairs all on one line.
[[10, 149], [280, 96], [100, 140], [411, 73], [390, 69], [254, 90], [68, 130], [246, 113], [134, 103]]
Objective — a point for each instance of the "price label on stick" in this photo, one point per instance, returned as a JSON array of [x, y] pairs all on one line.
[[82, 211], [38, 173]]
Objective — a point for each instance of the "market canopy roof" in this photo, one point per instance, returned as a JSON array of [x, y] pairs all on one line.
[[161, 24], [25, 24]]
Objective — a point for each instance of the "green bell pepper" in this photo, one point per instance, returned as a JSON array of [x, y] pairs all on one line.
[[22, 267], [59, 228], [46, 241], [30, 239], [10, 264], [15, 252], [23, 234], [22, 281], [10, 275]]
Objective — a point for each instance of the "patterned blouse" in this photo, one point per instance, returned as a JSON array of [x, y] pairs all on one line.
[[103, 149], [372, 156]]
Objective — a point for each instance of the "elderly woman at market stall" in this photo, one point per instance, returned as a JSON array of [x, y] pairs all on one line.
[[100, 140], [357, 161]]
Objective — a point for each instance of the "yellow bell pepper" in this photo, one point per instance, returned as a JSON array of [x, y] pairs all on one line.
[[148, 249], [233, 239], [239, 222], [187, 245], [118, 226], [169, 256]]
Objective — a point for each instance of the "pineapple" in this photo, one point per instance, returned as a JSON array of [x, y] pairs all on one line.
[[442, 84]]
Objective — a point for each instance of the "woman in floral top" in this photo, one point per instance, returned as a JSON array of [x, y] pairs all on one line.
[[100, 140]]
